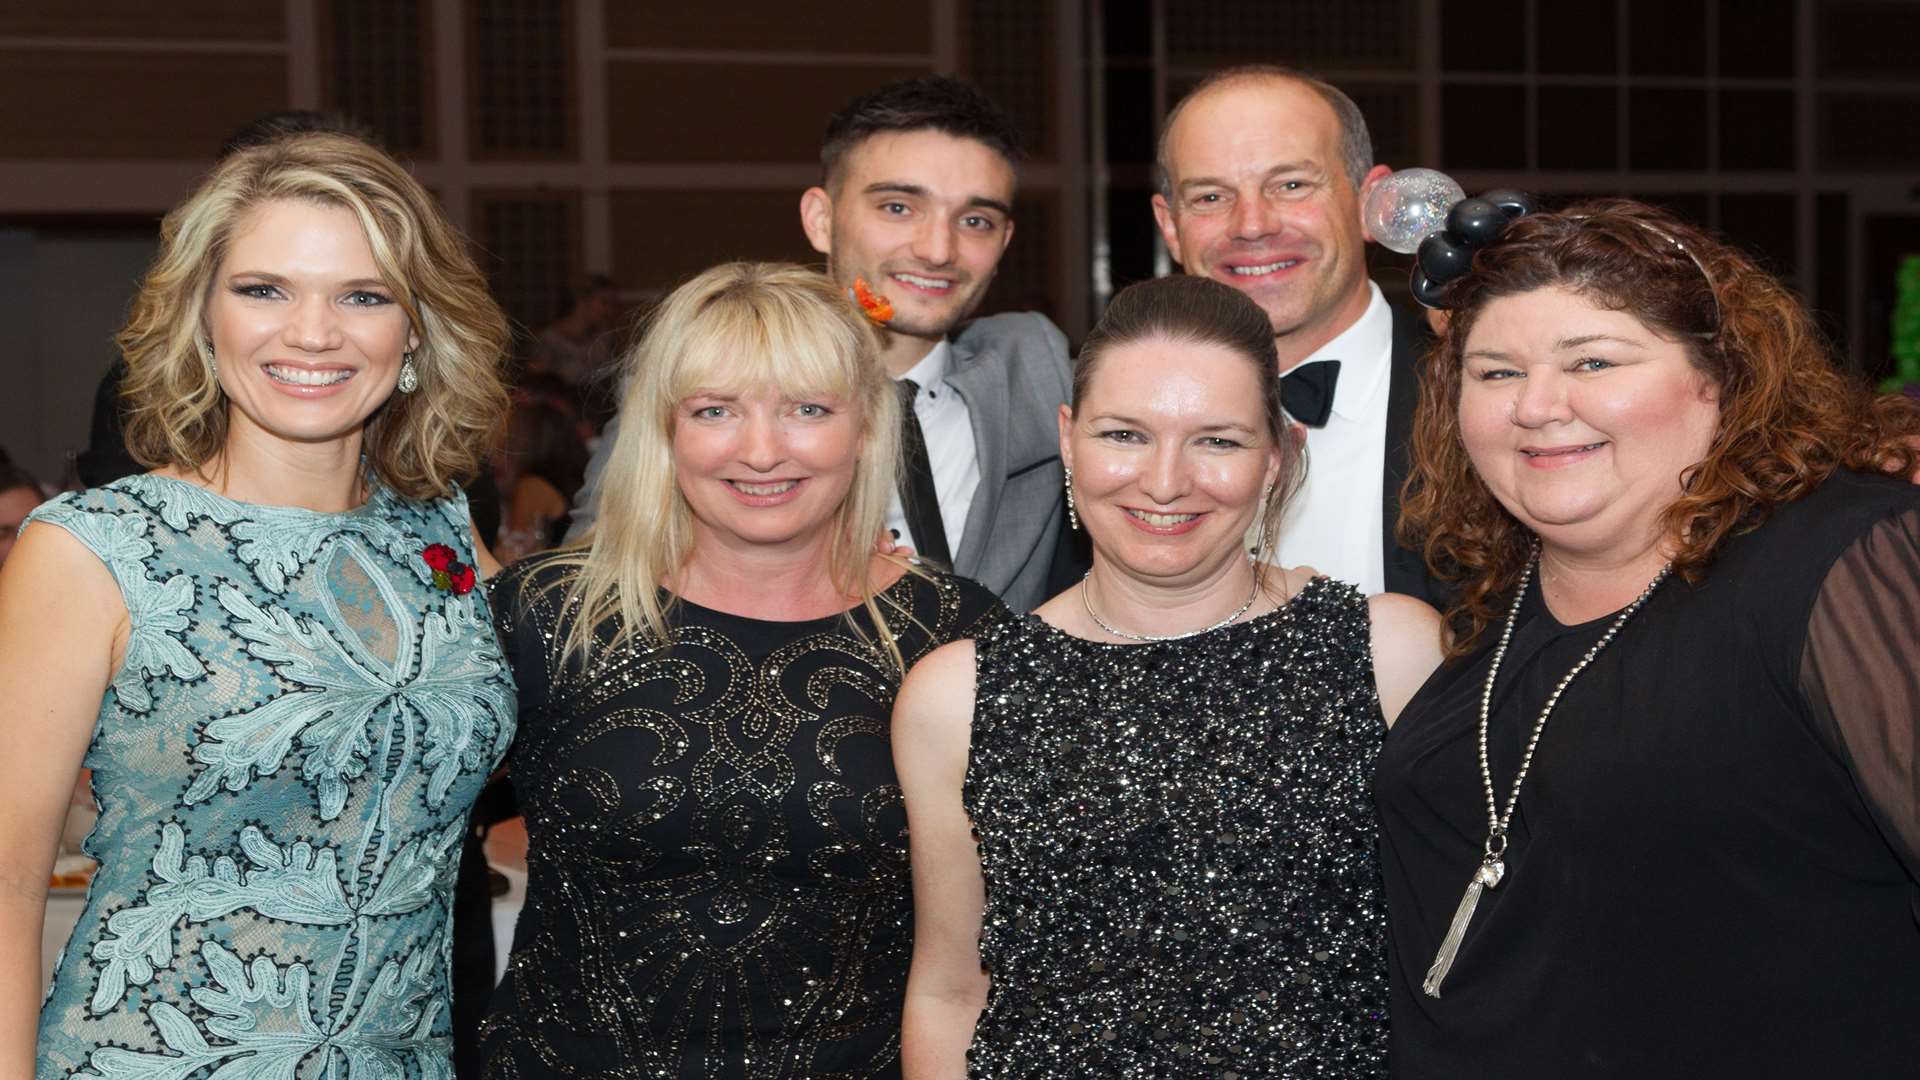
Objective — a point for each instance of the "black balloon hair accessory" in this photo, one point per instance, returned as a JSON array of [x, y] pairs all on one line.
[[1447, 256]]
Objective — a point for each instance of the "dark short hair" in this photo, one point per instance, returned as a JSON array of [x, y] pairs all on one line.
[[933, 102], [1356, 143]]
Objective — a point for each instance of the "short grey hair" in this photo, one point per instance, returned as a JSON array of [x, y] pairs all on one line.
[[1356, 144]]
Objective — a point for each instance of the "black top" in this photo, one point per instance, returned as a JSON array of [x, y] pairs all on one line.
[[1178, 845], [1713, 866], [717, 880]]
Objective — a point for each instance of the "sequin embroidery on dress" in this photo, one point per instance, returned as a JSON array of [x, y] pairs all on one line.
[[283, 764], [717, 875], [1178, 845]]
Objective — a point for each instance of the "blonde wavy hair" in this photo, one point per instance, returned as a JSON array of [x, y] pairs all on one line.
[[738, 327], [423, 444]]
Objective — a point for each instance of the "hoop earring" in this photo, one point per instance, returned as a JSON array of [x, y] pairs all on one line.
[[409, 378], [1073, 516]]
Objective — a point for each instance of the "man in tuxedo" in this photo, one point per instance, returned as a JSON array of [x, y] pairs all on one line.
[[916, 200], [1262, 173]]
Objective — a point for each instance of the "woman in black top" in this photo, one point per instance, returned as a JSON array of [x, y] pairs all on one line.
[[1688, 617], [717, 864]]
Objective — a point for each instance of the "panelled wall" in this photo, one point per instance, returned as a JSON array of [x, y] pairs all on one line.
[[1792, 126], [650, 138], [642, 139]]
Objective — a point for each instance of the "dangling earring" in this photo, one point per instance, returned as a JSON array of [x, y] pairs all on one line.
[[213, 369], [1073, 516], [1260, 525], [409, 378]]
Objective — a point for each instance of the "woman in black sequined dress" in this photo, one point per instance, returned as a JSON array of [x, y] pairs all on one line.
[[717, 866], [1167, 768]]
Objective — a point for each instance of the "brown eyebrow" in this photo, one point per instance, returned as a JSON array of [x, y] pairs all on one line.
[[1307, 167], [1228, 425], [276, 279], [1588, 339]]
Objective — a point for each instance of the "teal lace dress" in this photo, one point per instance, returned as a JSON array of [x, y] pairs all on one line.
[[283, 764]]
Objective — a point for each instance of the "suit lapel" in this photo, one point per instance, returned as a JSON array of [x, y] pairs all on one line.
[[1405, 571], [985, 393]]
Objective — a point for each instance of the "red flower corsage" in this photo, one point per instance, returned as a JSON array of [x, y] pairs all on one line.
[[449, 573]]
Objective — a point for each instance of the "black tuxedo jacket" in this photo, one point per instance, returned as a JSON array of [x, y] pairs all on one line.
[[1406, 571]]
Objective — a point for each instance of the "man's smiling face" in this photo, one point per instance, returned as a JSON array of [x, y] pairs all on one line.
[[924, 217], [1261, 201]]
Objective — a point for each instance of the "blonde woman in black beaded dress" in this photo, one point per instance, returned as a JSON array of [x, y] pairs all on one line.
[[1143, 837], [717, 879]]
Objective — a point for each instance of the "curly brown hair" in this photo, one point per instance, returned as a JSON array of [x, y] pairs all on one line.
[[421, 444], [1788, 416]]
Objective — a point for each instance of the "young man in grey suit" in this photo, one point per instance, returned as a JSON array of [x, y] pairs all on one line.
[[916, 200], [1263, 171]]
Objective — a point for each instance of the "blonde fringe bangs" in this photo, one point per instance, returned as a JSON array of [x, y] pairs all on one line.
[[738, 327]]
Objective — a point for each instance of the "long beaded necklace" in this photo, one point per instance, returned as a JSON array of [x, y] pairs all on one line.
[[1493, 867], [1086, 601]]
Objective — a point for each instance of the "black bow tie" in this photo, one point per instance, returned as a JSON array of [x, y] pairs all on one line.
[[1307, 391]]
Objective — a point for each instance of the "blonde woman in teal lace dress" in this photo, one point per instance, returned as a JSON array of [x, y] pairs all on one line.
[[269, 650]]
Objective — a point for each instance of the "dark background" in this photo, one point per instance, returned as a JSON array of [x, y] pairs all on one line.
[[650, 139]]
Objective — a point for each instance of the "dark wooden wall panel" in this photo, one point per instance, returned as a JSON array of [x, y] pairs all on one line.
[[157, 106], [531, 249], [699, 112], [831, 26], [198, 20], [377, 67], [1350, 34], [661, 238], [521, 89]]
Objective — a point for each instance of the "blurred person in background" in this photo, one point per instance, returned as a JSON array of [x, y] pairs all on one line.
[[539, 468], [19, 494], [578, 346], [268, 649]]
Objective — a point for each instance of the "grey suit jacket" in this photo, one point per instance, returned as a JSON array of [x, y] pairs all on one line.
[[1012, 370]]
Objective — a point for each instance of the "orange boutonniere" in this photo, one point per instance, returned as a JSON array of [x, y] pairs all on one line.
[[874, 306]]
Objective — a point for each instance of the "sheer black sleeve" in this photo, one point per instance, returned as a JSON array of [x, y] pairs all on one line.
[[1861, 674], [524, 603]]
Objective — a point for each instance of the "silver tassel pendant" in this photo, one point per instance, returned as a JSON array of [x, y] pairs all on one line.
[[1487, 876]]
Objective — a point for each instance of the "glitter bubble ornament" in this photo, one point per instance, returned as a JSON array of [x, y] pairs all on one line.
[[1407, 206]]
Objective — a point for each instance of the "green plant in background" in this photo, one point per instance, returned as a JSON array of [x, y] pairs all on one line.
[[1906, 328]]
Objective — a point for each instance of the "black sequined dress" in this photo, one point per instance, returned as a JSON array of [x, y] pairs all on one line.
[[1179, 850], [717, 863]]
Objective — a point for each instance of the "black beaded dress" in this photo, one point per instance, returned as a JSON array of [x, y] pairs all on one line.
[[1714, 869], [1179, 850], [717, 877]]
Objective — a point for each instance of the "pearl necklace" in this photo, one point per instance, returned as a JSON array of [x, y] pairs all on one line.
[[1493, 866], [1086, 600]]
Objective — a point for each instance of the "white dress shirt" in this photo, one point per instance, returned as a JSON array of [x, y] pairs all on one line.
[[1334, 523], [948, 427]]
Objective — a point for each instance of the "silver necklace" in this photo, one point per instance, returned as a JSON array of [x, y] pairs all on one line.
[[1493, 866], [1086, 600]]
